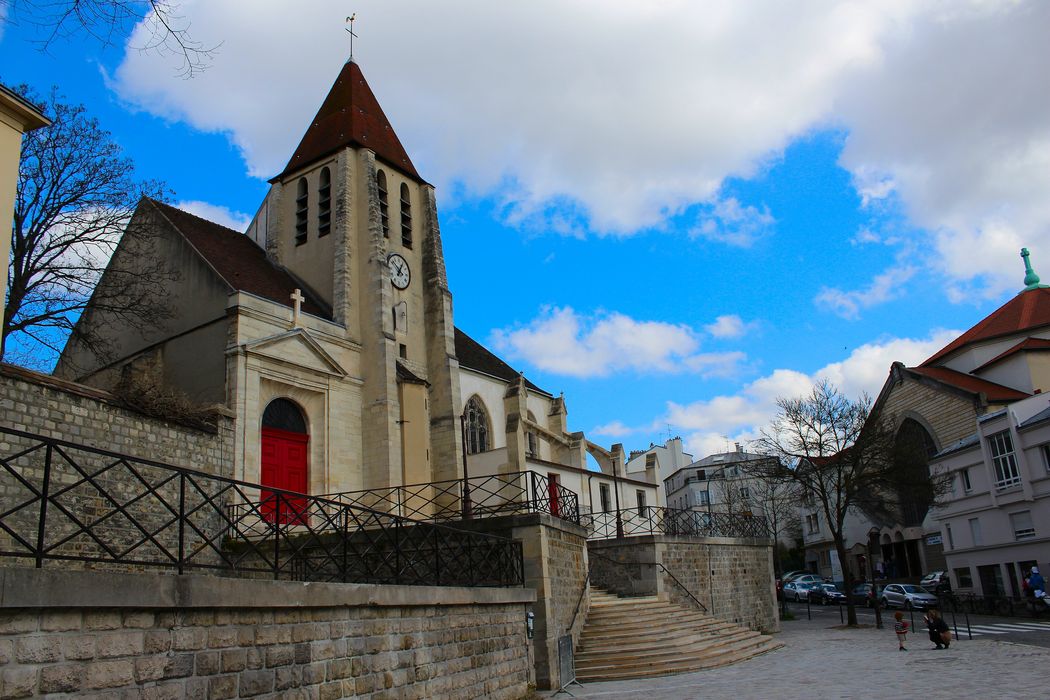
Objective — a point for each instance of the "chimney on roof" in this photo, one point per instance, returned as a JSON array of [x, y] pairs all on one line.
[[738, 447]]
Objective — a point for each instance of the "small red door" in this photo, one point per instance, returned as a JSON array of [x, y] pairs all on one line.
[[552, 493], [284, 467]]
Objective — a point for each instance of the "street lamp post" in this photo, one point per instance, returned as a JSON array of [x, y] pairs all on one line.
[[467, 507], [873, 540]]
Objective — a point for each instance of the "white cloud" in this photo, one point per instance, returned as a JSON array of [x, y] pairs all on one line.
[[615, 429], [883, 288], [225, 216], [708, 424], [943, 104], [727, 221], [563, 342], [728, 326]]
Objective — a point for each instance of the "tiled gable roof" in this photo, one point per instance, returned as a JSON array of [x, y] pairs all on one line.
[[967, 382], [350, 116], [240, 263], [474, 355], [1026, 311]]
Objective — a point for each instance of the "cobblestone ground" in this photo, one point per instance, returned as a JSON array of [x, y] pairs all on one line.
[[819, 662]]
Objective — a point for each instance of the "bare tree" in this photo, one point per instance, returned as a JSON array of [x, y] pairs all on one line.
[[107, 21], [833, 450], [75, 196], [778, 501]]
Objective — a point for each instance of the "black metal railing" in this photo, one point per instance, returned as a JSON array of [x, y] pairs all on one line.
[[997, 605], [653, 520], [61, 502], [477, 497]]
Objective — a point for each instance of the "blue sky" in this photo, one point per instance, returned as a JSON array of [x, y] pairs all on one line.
[[672, 213]]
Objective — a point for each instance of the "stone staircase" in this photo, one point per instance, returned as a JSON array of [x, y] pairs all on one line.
[[646, 636]]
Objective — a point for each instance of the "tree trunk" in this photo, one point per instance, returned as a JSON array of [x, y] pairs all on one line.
[[847, 580]]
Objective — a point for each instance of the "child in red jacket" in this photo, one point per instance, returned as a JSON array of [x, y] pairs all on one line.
[[901, 628]]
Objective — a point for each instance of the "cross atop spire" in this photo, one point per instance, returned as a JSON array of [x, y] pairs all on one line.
[[1031, 280], [350, 30]]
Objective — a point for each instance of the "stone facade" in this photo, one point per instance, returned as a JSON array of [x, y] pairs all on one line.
[[555, 558], [731, 577], [37, 403], [135, 636]]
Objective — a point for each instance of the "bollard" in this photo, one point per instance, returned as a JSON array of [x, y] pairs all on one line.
[[912, 619], [809, 616], [842, 620], [955, 625], [969, 632]]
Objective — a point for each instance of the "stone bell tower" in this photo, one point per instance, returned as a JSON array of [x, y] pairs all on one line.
[[351, 218]]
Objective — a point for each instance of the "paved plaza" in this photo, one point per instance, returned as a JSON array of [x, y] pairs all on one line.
[[818, 661]]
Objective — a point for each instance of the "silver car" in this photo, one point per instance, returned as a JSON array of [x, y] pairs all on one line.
[[907, 596]]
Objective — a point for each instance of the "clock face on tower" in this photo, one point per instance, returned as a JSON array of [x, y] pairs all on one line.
[[399, 273]]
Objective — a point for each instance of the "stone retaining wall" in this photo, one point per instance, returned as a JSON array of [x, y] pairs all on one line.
[[140, 636], [731, 577], [555, 558], [46, 405]]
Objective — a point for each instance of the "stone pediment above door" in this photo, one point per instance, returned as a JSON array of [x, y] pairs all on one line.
[[296, 347]]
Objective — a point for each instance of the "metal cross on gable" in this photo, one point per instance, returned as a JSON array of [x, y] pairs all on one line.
[[350, 30]]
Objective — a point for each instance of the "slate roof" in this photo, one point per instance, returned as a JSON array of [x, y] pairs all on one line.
[[967, 382], [474, 355], [1027, 311], [350, 116], [1037, 418], [240, 263]]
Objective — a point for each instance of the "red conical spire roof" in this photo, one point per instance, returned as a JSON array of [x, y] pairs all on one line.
[[350, 116]]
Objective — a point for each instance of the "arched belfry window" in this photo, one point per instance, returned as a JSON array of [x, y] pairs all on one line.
[[384, 203], [283, 414], [406, 217], [302, 206], [477, 426], [324, 203]]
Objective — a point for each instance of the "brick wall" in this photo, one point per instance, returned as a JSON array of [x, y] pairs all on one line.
[[126, 635], [39, 403], [731, 577]]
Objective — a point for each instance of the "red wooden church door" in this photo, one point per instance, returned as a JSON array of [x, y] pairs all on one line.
[[284, 463]]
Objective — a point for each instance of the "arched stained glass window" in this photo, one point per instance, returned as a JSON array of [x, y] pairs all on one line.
[[477, 426]]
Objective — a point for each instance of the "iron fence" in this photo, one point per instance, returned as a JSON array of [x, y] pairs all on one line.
[[653, 520], [477, 497], [61, 502], [996, 605]]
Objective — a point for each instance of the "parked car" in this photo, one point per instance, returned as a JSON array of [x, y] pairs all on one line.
[[862, 594], [826, 594], [792, 575], [907, 595], [797, 591], [810, 578], [936, 583]]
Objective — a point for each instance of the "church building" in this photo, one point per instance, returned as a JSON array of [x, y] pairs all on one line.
[[327, 330]]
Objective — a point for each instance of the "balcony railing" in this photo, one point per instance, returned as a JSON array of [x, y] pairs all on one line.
[[654, 520], [61, 502], [477, 497]]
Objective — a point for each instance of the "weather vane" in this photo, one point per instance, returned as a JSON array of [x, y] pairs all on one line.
[[350, 30]]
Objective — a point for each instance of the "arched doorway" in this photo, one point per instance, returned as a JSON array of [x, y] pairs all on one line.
[[284, 461]]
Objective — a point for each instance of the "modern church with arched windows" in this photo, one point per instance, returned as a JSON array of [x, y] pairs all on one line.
[[327, 330]]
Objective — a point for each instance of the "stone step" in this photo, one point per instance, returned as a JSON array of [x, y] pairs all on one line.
[[649, 636], [587, 671], [672, 647], [592, 638], [646, 615]]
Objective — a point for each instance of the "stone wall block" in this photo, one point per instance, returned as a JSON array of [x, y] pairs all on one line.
[[17, 682], [109, 674], [64, 678], [38, 650]]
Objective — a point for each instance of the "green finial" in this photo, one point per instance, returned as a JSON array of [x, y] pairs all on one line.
[[1031, 280]]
